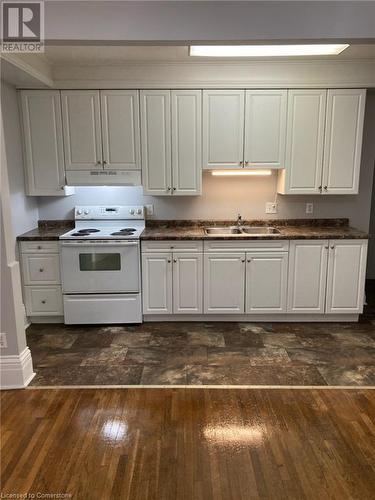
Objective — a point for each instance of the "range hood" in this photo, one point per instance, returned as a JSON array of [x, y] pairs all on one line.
[[103, 177]]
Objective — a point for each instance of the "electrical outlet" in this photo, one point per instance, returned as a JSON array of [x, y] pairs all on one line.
[[309, 208], [271, 208], [149, 210], [3, 341]]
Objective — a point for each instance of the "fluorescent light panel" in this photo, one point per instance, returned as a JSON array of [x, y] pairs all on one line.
[[259, 172], [266, 50]]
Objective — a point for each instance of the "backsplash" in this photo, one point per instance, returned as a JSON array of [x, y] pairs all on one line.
[[221, 199]]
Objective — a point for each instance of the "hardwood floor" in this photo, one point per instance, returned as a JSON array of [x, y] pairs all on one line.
[[189, 444]]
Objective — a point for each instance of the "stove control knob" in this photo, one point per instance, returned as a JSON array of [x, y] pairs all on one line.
[[139, 211], [86, 212], [79, 212], [131, 211]]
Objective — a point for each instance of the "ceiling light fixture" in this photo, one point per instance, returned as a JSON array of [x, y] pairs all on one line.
[[259, 172], [266, 50]]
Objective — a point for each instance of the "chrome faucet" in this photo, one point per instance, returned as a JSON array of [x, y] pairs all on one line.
[[239, 220]]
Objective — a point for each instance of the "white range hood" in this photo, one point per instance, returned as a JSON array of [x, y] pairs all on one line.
[[103, 177]]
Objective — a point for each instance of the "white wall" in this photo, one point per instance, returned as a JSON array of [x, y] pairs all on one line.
[[24, 209], [223, 198]]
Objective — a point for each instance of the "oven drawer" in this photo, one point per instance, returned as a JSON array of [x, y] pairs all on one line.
[[102, 308], [43, 301], [39, 247], [43, 269]]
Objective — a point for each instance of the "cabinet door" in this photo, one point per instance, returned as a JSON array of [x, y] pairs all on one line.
[[187, 283], [223, 128], [304, 143], [343, 140], [157, 283], [266, 282], [120, 129], [43, 301], [265, 128], [42, 269], [224, 283], [346, 276], [307, 276], [82, 134], [44, 155], [156, 142], [186, 142]]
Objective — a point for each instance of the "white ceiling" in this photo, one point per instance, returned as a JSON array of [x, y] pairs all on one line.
[[107, 55]]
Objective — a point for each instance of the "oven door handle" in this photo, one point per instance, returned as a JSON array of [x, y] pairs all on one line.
[[99, 244]]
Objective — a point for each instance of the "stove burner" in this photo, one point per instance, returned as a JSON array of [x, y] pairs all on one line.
[[128, 231], [88, 231]]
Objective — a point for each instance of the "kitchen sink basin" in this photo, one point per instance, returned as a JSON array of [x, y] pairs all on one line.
[[221, 231], [240, 231], [259, 230]]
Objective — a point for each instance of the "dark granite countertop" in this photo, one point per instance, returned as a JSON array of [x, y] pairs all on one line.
[[47, 231], [289, 230]]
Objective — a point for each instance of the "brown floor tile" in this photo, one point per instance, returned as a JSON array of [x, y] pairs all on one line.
[[348, 375], [169, 374], [208, 375], [119, 375], [267, 356], [276, 375], [107, 356], [131, 339], [219, 356], [60, 340], [206, 338], [58, 359], [65, 375], [93, 337]]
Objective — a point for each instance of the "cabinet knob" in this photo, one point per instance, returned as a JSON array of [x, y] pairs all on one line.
[[39, 247], [168, 188], [41, 270], [174, 189], [325, 188], [44, 301], [174, 260], [326, 247], [98, 162], [320, 188], [246, 163], [248, 260], [332, 247], [172, 247], [241, 163], [169, 261], [242, 260], [104, 162]]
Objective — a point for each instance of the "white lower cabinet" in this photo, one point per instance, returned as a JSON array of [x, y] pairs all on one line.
[[157, 283], [172, 283], [187, 283], [266, 282], [346, 276], [43, 301], [307, 276], [224, 283]]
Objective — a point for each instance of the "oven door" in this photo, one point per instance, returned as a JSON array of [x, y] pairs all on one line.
[[100, 266]]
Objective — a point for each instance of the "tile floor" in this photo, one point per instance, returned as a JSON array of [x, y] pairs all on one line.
[[205, 354]]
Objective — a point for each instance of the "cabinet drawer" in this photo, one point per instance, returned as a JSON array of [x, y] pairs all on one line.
[[246, 246], [41, 269], [171, 245], [39, 247], [43, 301]]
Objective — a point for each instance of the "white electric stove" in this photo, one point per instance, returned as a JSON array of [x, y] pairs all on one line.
[[100, 263]]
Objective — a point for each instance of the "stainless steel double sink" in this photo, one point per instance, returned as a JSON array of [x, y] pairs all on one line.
[[240, 230]]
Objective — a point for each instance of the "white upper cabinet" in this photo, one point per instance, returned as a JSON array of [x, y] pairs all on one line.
[[186, 142], [304, 143], [43, 142], [346, 276], [343, 140], [120, 129], [82, 134], [265, 128], [171, 142], [307, 276], [266, 282], [223, 128], [156, 141]]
